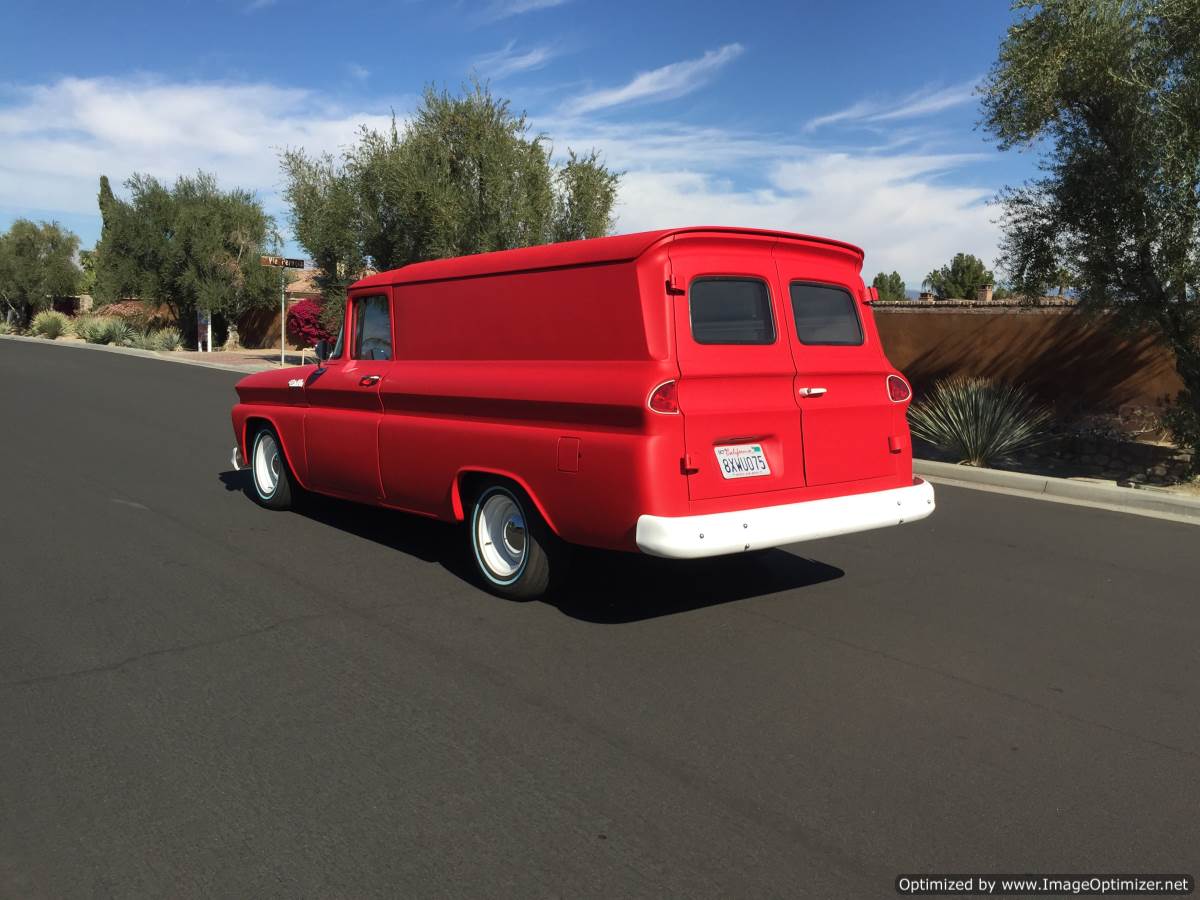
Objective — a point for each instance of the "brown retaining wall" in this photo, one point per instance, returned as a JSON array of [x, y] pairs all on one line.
[[1067, 358]]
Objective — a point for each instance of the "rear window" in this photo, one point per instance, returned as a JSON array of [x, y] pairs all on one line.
[[825, 314], [731, 311]]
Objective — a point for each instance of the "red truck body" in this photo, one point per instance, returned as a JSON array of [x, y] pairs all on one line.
[[636, 389]]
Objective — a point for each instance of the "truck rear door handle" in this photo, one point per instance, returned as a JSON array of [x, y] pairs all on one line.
[[811, 392], [369, 380]]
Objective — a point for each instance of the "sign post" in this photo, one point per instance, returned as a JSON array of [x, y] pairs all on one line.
[[281, 263]]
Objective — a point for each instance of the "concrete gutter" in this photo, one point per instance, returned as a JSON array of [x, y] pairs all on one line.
[[166, 356], [1102, 495]]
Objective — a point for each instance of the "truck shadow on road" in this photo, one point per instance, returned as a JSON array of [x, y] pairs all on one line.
[[604, 587]]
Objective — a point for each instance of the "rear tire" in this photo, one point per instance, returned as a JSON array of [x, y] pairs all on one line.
[[270, 476], [515, 552]]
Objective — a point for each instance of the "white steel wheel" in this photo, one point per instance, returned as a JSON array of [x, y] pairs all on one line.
[[500, 534], [513, 547], [269, 472]]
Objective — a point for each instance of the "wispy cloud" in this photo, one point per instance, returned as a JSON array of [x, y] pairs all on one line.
[[56, 139], [505, 9], [508, 61], [925, 102], [911, 207], [664, 83], [911, 204], [358, 72]]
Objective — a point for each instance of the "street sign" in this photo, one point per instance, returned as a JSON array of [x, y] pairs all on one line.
[[281, 262]]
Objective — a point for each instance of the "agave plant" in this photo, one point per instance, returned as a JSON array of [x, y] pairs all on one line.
[[49, 324], [979, 420], [166, 339], [116, 331]]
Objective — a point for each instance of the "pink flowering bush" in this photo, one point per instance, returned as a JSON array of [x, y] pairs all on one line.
[[304, 323]]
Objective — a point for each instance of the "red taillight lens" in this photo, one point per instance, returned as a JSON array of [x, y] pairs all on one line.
[[898, 388], [664, 399]]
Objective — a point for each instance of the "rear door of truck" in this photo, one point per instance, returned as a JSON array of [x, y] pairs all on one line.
[[737, 374], [852, 429]]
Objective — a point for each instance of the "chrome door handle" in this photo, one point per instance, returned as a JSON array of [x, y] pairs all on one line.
[[369, 380], [812, 392]]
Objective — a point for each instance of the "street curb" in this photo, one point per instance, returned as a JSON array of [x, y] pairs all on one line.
[[132, 351], [1063, 490]]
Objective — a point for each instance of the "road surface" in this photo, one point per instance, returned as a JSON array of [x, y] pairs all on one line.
[[201, 697]]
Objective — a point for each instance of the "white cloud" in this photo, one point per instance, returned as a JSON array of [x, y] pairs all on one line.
[[897, 204], [504, 9], [509, 61], [925, 102], [57, 139], [905, 203], [664, 83]]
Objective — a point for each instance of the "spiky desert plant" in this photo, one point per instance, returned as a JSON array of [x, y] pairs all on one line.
[[88, 327], [7, 327], [167, 339], [117, 332], [979, 420], [49, 324]]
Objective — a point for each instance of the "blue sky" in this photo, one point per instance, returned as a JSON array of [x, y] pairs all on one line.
[[855, 120]]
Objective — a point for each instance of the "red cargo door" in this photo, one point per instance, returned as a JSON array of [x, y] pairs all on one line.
[[841, 373], [736, 372]]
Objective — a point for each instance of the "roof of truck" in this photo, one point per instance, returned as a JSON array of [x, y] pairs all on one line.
[[569, 253]]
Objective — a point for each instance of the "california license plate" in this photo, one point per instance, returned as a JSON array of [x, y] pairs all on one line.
[[742, 460]]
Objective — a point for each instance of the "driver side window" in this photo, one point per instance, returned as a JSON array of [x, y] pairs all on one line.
[[372, 329]]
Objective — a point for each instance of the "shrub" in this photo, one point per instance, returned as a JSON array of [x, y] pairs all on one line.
[[50, 324], [978, 420], [7, 327], [141, 340], [116, 332], [87, 327], [167, 339], [105, 330], [304, 322]]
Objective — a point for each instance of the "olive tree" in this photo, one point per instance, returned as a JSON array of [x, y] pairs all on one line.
[[37, 264], [1108, 92], [464, 175]]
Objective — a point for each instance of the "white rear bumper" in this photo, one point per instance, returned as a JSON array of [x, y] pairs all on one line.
[[715, 534]]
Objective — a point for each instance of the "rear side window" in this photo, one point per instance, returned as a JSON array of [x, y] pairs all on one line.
[[731, 311], [372, 328], [825, 314]]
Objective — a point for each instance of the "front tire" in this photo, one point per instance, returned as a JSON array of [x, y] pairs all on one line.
[[515, 552], [269, 473]]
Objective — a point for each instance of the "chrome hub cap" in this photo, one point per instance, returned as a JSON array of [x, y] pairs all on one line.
[[266, 464], [500, 536]]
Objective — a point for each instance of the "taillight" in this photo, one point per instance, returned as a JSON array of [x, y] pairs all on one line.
[[898, 388], [664, 398]]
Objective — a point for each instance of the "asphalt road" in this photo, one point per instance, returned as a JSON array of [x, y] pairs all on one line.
[[200, 697]]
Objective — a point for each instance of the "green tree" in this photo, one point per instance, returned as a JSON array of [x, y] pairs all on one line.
[[463, 176], [37, 264], [1111, 90], [191, 246], [890, 287], [961, 279], [87, 262]]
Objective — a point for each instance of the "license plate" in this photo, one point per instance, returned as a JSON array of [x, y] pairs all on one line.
[[742, 461]]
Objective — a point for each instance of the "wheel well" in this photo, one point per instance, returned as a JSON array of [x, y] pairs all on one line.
[[470, 483]]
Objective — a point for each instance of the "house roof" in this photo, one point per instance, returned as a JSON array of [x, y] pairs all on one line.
[[569, 253]]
